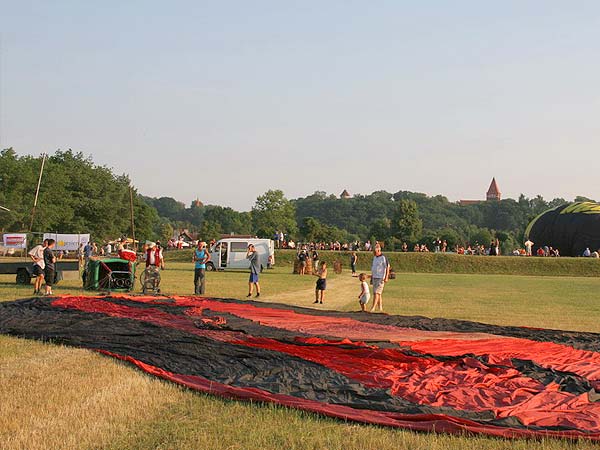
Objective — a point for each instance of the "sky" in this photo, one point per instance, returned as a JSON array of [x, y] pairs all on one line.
[[222, 101]]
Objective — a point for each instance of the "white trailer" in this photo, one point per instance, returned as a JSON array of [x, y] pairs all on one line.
[[230, 253]]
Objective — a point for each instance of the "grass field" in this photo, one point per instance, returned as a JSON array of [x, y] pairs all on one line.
[[58, 397]]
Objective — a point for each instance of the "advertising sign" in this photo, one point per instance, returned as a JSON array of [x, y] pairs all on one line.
[[15, 240], [68, 242]]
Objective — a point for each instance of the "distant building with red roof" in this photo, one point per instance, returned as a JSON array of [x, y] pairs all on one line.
[[493, 194], [469, 202], [345, 194]]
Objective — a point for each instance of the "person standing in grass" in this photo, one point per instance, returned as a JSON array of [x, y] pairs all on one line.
[[380, 273], [80, 254], [37, 256], [302, 257], [315, 259], [252, 256], [49, 262], [200, 258], [353, 261], [365, 293], [321, 283], [528, 246]]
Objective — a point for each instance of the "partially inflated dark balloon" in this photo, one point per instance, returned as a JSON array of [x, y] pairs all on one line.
[[570, 228]]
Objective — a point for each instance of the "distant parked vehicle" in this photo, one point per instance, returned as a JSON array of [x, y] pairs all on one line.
[[230, 253]]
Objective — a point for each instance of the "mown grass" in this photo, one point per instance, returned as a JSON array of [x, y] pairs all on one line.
[[58, 397]]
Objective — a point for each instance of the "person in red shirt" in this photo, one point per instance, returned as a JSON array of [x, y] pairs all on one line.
[[154, 256]]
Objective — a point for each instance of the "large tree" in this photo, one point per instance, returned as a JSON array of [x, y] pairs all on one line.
[[271, 212], [407, 224], [311, 229], [229, 220], [210, 230], [76, 196]]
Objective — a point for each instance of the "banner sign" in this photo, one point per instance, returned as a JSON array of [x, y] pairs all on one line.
[[68, 242], [15, 240]]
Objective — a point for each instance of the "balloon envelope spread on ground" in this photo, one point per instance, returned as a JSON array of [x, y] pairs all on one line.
[[570, 228], [409, 372]]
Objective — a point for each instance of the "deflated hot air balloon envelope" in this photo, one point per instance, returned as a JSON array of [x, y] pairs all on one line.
[[571, 228]]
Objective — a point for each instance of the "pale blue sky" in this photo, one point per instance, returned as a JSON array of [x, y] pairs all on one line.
[[224, 100]]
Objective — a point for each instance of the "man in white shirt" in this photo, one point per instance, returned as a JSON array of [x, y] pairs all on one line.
[[380, 273], [37, 256], [528, 246]]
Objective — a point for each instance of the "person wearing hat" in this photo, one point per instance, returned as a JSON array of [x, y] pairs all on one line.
[[154, 256], [201, 257], [252, 256]]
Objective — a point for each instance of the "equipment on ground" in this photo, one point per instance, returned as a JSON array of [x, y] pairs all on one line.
[[150, 280], [109, 274]]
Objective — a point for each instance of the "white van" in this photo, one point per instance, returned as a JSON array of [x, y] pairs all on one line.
[[230, 253]]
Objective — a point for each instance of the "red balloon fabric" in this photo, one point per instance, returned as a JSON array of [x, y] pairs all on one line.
[[409, 372]]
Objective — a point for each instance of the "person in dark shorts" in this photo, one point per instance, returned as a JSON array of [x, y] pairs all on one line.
[[37, 256], [321, 283], [49, 269], [353, 261], [252, 256]]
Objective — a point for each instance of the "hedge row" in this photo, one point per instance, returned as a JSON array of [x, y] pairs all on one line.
[[452, 263], [445, 263]]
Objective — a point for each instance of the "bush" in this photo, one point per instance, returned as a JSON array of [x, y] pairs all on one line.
[[452, 263]]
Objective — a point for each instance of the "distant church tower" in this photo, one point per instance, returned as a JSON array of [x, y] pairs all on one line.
[[493, 193], [345, 194]]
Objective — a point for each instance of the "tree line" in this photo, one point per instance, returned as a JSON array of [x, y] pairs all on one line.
[[76, 196], [79, 196], [395, 218]]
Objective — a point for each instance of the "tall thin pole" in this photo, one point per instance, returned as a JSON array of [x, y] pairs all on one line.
[[37, 191], [132, 221]]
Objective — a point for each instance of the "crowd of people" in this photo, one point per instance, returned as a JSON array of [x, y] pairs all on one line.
[[44, 260], [437, 246], [587, 253]]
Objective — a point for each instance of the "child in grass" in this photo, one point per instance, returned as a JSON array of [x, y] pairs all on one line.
[[321, 283], [365, 293]]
